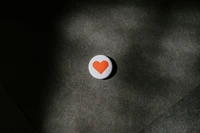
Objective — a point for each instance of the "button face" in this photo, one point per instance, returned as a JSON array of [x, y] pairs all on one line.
[[100, 67]]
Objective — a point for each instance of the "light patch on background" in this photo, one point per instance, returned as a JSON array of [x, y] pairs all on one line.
[[108, 28], [181, 47]]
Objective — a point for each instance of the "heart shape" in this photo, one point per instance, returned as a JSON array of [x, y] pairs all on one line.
[[100, 66]]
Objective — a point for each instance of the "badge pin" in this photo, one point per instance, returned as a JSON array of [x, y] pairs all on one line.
[[100, 66]]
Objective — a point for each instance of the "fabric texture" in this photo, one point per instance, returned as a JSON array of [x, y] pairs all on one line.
[[155, 44]]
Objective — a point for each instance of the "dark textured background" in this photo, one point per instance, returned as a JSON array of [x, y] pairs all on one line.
[[46, 47]]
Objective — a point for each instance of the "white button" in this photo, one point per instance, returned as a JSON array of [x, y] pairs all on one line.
[[100, 66]]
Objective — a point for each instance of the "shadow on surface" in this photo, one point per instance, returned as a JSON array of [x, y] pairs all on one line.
[[28, 50]]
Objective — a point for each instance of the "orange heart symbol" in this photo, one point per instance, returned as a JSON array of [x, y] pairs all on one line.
[[100, 66]]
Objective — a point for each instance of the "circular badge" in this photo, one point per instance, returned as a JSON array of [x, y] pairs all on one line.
[[100, 66]]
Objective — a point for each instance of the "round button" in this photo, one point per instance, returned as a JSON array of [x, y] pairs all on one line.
[[100, 66]]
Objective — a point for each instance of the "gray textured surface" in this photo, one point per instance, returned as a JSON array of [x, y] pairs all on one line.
[[157, 66], [183, 117], [155, 45]]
